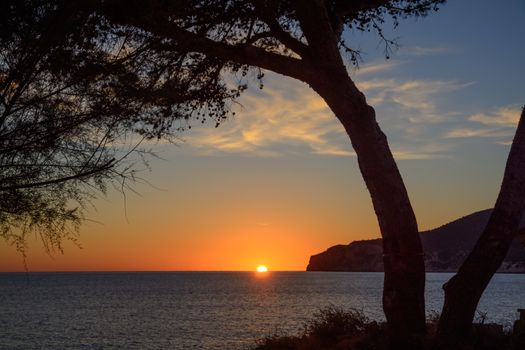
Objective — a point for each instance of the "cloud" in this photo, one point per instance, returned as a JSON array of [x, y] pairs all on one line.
[[504, 143], [287, 117], [424, 51], [415, 155], [417, 99], [284, 117], [383, 65], [499, 123], [465, 132], [504, 116], [422, 150], [376, 67]]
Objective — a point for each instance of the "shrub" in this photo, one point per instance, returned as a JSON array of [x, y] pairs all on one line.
[[331, 328], [334, 328]]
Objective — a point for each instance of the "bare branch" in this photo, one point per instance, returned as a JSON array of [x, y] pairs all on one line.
[[79, 175]]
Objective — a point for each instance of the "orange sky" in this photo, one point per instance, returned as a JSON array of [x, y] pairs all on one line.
[[273, 186], [210, 215], [280, 182]]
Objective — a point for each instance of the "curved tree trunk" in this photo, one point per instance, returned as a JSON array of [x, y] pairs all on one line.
[[404, 283], [463, 291], [321, 66]]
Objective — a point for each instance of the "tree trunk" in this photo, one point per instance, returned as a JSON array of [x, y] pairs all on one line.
[[404, 281], [463, 291]]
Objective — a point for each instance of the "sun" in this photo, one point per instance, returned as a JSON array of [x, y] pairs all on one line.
[[262, 268]]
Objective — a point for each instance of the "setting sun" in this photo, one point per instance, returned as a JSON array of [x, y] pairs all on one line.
[[262, 268]]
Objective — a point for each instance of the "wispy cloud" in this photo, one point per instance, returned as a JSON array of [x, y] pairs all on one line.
[[288, 117], [414, 155], [424, 51], [421, 150], [376, 67], [499, 124], [416, 98], [465, 132], [279, 119], [503, 116]]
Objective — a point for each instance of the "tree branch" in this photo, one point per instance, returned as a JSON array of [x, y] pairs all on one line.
[[285, 38], [315, 24], [242, 54], [105, 166], [352, 8], [268, 16]]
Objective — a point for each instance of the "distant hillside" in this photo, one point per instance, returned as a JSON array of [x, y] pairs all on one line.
[[446, 247]]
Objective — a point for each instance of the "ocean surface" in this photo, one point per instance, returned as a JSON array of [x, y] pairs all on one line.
[[198, 310]]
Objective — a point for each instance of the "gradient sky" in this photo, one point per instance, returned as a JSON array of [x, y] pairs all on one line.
[[280, 182]]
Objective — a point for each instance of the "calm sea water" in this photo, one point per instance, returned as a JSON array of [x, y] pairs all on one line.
[[197, 310]]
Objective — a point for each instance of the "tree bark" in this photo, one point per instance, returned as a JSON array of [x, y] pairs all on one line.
[[463, 291], [321, 66], [404, 281]]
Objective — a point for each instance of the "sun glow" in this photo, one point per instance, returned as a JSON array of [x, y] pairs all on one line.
[[262, 268]]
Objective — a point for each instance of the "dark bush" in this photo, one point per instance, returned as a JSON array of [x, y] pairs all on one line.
[[334, 328]]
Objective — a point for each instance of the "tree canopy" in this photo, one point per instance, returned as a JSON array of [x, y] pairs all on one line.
[[78, 79], [78, 76], [75, 78], [208, 40], [68, 117]]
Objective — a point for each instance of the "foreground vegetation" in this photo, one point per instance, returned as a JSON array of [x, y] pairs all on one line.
[[334, 328]]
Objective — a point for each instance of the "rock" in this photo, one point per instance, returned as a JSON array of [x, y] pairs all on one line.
[[445, 247]]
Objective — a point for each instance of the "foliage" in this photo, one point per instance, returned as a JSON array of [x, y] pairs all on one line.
[[334, 328], [332, 322], [67, 113], [228, 42], [331, 328], [215, 38], [76, 78], [47, 132]]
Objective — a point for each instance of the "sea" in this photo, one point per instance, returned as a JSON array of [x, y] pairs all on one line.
[[200, 310]]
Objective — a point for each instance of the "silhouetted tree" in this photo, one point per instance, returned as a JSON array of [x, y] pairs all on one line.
[[70, 113], [464, 290], [303, 40], [50, 142], [208, 41], [76, 75]]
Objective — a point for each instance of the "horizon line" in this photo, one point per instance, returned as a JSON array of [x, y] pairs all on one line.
[[138, 271]]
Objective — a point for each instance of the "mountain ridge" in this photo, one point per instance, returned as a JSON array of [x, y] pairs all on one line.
[[445, 247]]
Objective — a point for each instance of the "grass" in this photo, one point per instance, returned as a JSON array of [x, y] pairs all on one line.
[[334, 328]]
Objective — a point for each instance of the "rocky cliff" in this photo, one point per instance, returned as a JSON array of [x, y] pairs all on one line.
[[445, 249]]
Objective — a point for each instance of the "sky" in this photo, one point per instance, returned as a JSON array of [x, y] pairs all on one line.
[[279, 181]]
